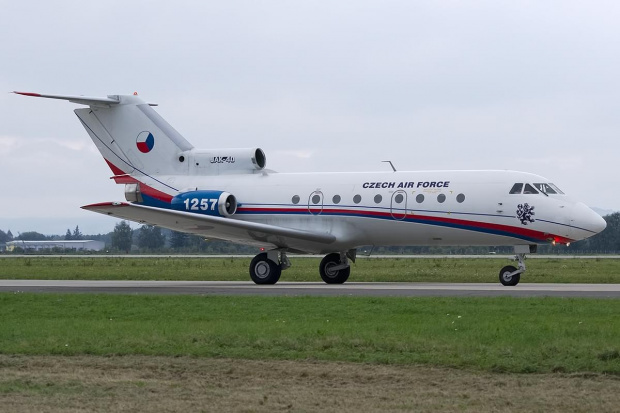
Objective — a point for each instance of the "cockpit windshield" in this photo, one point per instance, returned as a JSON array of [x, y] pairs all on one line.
[[548, 189], [544, 188], [516, 189]]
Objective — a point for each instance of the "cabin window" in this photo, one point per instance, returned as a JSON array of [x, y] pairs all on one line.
[[399, 198], [378, 198], [316, 199], [441, 198], [460, 198], [516, 189], [529, 189], [357, 199], [419, 199], [295, 199], [336, 199]]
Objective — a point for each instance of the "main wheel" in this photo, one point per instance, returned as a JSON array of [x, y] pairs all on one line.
[[329, 274], [264, 271], [509, 280]]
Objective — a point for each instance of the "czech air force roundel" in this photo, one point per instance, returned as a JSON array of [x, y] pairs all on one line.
[[145, 141]]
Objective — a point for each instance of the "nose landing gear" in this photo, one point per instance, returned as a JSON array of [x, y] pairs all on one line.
[[509, 275]]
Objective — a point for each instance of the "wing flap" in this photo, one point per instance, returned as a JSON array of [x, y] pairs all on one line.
[[251, 233]]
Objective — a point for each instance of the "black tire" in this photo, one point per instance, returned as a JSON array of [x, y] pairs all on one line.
[[264, 271], [505, 279], [333, 276]]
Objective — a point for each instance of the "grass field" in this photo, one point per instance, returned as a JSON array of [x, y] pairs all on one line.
[[64, 352], [306, 269], [82, 352], [534, 335]]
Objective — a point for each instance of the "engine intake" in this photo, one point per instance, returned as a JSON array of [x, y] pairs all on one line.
[[217, 203]]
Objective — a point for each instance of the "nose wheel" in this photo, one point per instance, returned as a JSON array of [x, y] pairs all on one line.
[[509, 275]]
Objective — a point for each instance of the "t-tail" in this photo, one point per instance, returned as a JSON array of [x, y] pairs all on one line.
[[136, 141]]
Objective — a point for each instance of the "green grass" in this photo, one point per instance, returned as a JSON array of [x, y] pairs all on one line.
[[532, 335], [306, 269]]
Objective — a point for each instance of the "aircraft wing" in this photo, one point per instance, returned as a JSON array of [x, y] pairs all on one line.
[[244, 232]]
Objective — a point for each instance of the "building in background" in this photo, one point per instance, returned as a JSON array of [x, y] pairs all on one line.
[[81, 245]]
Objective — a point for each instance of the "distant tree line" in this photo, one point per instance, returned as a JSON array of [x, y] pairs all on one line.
[[152, 239], [76, 235]]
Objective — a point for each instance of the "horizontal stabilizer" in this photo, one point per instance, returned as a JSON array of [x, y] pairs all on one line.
[[211, 226], [82, 100]]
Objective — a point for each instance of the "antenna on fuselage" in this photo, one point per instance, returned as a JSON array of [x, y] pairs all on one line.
[[391, 164]]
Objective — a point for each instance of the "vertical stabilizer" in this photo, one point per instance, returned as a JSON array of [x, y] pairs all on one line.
[[131, 136]]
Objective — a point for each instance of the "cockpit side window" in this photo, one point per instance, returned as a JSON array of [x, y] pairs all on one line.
[[516, 189], [529, 189]]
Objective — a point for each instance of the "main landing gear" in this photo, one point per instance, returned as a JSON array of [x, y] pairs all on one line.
[[509, 275], [267, 267], [335, 268]]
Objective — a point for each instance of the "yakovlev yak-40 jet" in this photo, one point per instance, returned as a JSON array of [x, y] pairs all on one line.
[[228, 194]]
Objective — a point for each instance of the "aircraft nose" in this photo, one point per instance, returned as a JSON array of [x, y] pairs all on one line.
[[599, 224], [586, 221]]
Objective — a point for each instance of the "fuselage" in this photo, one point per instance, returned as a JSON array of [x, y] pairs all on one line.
[[397, 208]]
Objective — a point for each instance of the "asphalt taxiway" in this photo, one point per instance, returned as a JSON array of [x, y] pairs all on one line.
[[311, 288]]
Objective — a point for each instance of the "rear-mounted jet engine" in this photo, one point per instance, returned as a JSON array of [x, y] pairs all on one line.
[[217, 203], [224, 161]]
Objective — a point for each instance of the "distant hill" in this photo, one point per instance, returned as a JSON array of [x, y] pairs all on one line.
[[602, 212]]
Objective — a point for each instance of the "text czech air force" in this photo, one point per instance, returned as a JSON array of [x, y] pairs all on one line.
[[401, 185]]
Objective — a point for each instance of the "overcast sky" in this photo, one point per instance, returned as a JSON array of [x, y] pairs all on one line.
[[319, 85]]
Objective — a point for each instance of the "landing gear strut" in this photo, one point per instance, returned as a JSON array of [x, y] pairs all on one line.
[[267, 267], [509, 275]]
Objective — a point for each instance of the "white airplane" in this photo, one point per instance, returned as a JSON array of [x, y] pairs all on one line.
[[228, 194]]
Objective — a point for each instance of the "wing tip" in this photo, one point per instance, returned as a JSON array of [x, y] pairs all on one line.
[[36, 95], [103, 205]]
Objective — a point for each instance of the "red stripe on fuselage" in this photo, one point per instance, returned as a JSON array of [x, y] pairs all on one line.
[[525, 232], [150, 191]]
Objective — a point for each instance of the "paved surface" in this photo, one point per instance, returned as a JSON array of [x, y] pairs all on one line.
[[360, 255], [311, 288]]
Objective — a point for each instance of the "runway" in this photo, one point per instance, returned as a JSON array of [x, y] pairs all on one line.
[[311, 288]]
